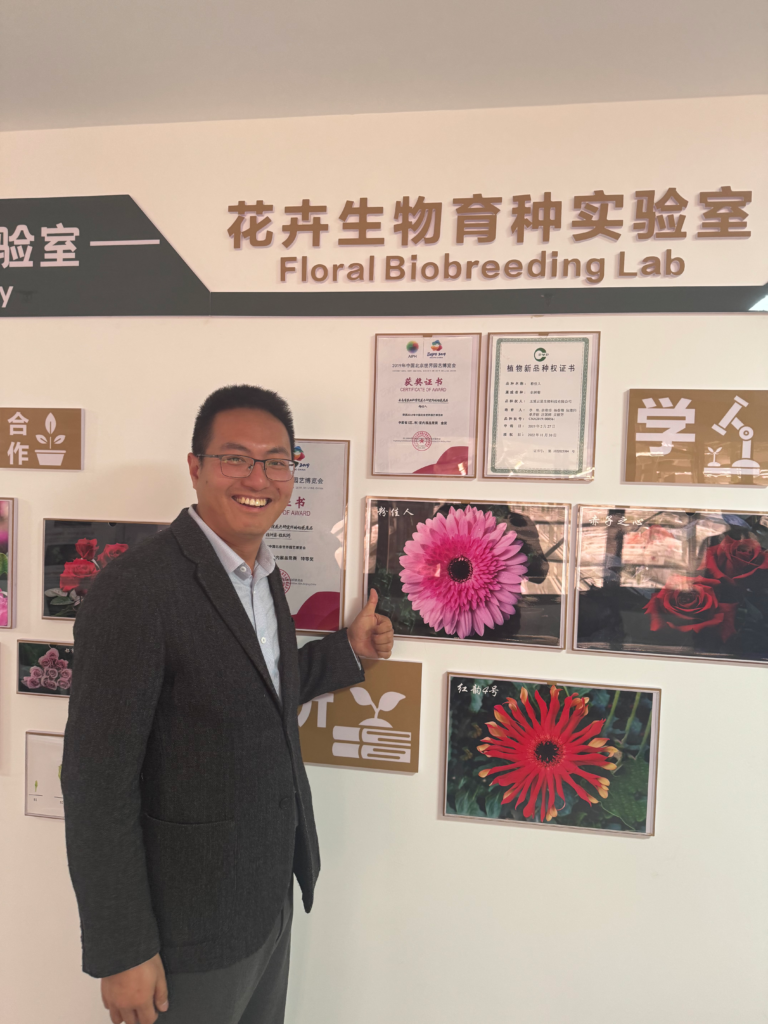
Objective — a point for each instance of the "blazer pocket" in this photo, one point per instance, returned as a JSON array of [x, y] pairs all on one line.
[[192, 878]]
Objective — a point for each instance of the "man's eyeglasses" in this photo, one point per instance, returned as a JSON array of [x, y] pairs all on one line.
[[240, 466]]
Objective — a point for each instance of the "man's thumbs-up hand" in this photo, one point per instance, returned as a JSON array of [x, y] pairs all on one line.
[[371, 635]]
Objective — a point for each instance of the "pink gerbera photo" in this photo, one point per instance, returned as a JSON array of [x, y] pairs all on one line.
[[463, 571]]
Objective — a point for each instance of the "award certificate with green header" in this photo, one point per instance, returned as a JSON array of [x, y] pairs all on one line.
[[542, 397]]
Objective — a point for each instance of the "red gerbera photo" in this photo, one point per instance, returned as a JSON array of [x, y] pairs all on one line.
[[543, 753]]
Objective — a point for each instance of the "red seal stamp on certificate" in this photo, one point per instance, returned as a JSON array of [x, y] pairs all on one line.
[[286, 581], [421, 440]]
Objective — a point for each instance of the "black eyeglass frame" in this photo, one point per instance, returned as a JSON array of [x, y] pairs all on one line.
[[291, 464]]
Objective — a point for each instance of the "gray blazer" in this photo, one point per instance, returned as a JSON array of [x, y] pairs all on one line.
[[187, 804]]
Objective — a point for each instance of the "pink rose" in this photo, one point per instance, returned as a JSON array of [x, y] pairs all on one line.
[[65, 678], [31, 683]]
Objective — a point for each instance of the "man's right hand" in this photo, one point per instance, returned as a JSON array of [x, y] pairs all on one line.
[[135, 996]]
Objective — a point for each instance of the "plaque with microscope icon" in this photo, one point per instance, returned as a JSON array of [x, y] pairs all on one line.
[[697, 437]]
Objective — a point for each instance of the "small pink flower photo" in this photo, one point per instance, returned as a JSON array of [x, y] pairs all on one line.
[[45, 669]]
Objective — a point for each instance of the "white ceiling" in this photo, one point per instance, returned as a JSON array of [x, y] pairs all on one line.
[[66, 63]]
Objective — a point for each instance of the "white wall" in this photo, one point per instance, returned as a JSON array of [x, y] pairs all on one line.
[[417, 919]]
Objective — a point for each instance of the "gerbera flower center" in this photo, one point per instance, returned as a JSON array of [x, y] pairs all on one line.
[[547, 752], [460, 569]]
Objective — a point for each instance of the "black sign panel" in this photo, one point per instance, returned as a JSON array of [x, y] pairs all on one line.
[[102, 256], [91, 256]]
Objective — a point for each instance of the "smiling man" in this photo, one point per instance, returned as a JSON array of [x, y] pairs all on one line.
[[188, 809]]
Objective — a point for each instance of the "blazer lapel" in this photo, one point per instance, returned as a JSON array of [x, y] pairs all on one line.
[[286, 633], [212, 577]]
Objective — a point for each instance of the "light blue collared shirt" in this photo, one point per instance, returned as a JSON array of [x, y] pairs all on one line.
[[253, 590]]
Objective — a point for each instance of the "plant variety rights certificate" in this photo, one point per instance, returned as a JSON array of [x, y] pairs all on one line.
[[309, 539], [425, 404], [542, 396]]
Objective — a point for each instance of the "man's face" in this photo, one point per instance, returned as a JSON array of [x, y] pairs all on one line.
[[242, 509]]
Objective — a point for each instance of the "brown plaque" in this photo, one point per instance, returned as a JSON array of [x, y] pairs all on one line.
[[697, 437], [373, 725], [41, 438]]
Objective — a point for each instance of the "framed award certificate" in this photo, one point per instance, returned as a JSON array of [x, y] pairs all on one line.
[[309, 539], [542, 398], [425, 405]]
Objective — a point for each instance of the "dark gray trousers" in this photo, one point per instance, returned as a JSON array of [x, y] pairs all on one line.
[[249, 992]]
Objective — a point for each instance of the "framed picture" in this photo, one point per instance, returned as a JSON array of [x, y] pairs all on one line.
[[309, 541], [672, 583], [374, 725], [74, 552], [7, 563], [425, 405], [541, 405], [552, 754], [44, 755], [44, 669], [479, 571]]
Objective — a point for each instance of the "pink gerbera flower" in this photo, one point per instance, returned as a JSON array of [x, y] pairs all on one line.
[[463, 572]]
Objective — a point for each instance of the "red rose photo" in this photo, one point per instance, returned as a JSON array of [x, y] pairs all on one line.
[[735, 558], [76, 552], [672, 582]]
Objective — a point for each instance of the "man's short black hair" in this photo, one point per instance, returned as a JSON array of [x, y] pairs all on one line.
[[238, 396]]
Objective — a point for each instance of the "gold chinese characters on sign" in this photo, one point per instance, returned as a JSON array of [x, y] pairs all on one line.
[[697, 437], [373, 725], [382, 224], [41, 438]]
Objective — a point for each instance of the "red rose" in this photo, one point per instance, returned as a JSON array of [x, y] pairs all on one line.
[[86, 548], [733, 559], [110, 552], [77, 572], [690, 610]]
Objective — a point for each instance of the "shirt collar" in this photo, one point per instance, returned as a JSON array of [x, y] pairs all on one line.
[[232, 562]]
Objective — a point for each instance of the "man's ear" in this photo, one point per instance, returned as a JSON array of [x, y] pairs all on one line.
[[194, 468]]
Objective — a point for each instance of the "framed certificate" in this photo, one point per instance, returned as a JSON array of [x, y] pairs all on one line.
[[44, 755], [482, 572], [674, 583], [542, 398], [425, 405], [309, 539]]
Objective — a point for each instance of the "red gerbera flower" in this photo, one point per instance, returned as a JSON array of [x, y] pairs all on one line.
[[545, 752]]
